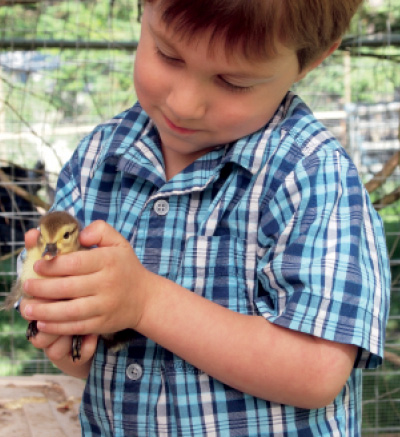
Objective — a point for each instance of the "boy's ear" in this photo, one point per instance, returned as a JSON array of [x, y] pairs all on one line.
[[319, 60]]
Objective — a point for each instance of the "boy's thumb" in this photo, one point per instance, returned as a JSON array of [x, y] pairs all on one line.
[[101, 234], [31, 238]]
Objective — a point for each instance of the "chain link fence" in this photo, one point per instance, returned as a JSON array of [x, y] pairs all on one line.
[[67, 65]]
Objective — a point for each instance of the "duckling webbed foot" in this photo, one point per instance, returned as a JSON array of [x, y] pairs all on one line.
[[31, 330], [76, 347]]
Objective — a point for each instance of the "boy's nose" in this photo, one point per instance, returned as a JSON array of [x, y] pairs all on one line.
[[187, 101]]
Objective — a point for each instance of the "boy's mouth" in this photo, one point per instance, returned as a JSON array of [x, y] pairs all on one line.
[[179, 129]]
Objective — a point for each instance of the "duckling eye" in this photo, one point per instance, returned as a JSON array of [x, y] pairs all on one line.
[[66, 235]]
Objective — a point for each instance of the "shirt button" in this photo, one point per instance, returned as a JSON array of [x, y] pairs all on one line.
[[134, 372], [161, 207]]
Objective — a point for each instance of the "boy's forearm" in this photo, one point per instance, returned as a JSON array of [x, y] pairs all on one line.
[[246, 352]]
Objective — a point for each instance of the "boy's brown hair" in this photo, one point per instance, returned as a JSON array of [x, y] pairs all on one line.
[[254, 26]]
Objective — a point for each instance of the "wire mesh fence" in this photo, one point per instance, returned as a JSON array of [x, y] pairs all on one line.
[[67, 65]]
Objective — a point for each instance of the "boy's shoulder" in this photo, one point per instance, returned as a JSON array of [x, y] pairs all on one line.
[[293, 136], [299, 124]]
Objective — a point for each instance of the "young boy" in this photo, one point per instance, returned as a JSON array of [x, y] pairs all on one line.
[[232, 233]]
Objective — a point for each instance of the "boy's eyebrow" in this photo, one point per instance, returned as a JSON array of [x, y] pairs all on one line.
[[160, 36]]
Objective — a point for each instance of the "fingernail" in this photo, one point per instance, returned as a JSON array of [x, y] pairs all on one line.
[[28, 310], [25, 285]]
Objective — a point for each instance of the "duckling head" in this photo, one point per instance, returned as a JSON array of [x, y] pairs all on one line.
[[59, 234]]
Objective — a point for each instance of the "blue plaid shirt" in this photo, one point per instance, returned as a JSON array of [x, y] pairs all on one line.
[[277, 224]]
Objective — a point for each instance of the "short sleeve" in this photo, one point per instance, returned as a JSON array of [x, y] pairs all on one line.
[[75, 176], [323, 268]]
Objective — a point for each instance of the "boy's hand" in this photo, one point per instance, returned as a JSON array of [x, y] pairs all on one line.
[[56, 347], [102, 290]]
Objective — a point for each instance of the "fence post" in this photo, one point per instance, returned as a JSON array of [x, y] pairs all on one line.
[[351, 132]]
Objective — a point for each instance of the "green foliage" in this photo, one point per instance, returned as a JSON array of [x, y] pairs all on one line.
[[392, 229], [91, 83], [18, 356], [381, 387], [380, 399], [374, 71], [378, 16], [85, 20], [98, 83]]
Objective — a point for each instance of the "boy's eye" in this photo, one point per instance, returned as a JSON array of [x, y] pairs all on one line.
[[166, 58], [223, 82], [66, 235], [232, 87]]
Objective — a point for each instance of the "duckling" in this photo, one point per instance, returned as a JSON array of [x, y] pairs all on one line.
[[59, 234]]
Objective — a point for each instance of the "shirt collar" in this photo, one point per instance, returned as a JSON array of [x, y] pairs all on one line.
[[252, 151], [134, 146], [131, 142]]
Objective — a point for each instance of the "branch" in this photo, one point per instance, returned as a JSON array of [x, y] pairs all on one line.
[[392, 357], [19, 191], [33, 132], [11, 254], [372, 41], [77, 44], [15, 2], [379, 179], [387, 200]]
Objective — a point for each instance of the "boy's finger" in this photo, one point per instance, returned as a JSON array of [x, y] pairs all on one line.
[[50, 289], [25, 302], [43, 340], [60, 348], [88, 347], [101, 234], [57, 311], [67, 328], [31, 238]]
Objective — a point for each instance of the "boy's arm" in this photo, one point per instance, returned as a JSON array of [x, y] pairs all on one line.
[[246, 352]]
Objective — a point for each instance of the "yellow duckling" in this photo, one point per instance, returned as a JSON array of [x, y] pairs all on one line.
[[59, 234]]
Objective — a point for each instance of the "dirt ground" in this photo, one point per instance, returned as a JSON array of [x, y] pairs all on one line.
[[40, 406]]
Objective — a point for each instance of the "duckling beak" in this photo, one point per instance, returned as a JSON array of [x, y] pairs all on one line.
[[50, 251]]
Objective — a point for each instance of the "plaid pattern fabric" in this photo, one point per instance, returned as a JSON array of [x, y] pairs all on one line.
[[277, 224]]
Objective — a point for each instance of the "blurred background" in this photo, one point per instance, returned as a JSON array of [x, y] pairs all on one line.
[[66, 65]]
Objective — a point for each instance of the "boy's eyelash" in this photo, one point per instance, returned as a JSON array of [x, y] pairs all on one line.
[[234, 88], [165, 57], [231, 87]]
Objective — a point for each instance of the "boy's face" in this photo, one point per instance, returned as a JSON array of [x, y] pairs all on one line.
[[199, 101]]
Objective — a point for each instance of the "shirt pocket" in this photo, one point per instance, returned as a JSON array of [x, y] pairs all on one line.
[[221, 269]]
